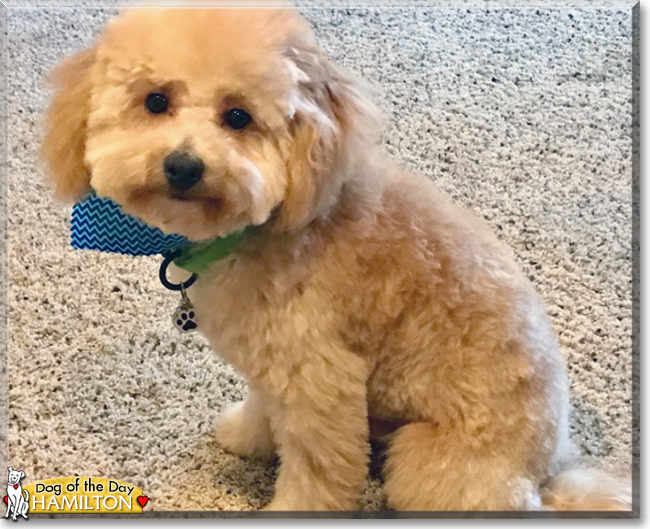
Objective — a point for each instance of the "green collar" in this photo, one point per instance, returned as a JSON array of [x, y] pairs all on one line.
[[197, 257]]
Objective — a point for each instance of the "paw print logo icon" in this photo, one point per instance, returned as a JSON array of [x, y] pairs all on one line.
[[184, 319]]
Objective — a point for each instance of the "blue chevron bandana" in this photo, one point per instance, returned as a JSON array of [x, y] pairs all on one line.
[[100, 224]]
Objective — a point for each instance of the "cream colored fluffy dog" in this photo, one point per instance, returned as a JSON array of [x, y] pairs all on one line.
[[364, 303]]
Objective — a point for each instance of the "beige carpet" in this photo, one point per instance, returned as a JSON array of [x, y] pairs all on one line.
[[523, 115]]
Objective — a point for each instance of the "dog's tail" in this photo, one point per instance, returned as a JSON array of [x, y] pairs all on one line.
[[26, 496], [579, 488]]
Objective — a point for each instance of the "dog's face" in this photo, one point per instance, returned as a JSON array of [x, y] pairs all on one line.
[[14, 476], [201, 122]]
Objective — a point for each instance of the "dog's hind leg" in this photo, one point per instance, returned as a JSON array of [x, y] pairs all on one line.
[[429, 469], [244, 428]]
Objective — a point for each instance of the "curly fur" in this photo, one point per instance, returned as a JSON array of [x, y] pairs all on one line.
[[364, 296]]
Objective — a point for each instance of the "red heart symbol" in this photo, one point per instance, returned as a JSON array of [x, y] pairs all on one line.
[[142, 500], [15, 486], [6, 500]]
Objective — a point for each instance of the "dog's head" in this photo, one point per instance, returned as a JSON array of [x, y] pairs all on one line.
[[201, 122], [14, 476]]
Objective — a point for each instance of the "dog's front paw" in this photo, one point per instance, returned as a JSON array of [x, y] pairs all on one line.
[[302, 502], [278, 504], [245, 434]]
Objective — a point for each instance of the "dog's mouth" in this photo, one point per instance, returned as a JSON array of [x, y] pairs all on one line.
[[214, 202], [151, 193], [195, 213], [212, 206]]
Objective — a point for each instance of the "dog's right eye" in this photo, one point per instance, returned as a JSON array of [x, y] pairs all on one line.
[[156, 103]]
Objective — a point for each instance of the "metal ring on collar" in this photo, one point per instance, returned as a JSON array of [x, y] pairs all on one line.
[[162, 273]]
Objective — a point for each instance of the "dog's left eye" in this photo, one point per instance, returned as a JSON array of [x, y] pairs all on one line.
[[156, 103], [237, 118]]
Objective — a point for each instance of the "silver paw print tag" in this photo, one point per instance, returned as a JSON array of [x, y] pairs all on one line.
[[184, 317]]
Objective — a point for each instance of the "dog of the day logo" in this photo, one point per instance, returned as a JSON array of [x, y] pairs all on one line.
[[17, 499], [79, 494]]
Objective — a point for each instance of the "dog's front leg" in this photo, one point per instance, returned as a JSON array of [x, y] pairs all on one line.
[[24, 505], [320, 424], [8, 506]]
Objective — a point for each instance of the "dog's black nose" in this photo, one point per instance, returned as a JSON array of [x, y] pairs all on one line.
[[183, 170]]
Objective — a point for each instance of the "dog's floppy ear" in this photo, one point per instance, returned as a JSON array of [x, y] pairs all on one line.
[[330, 121], [65, 136], [11, 469], [22, 474]]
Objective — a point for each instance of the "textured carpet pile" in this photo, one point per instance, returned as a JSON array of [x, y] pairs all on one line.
[[523, 115]]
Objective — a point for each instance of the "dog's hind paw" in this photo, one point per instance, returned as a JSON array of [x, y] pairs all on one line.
[[244, 434]]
